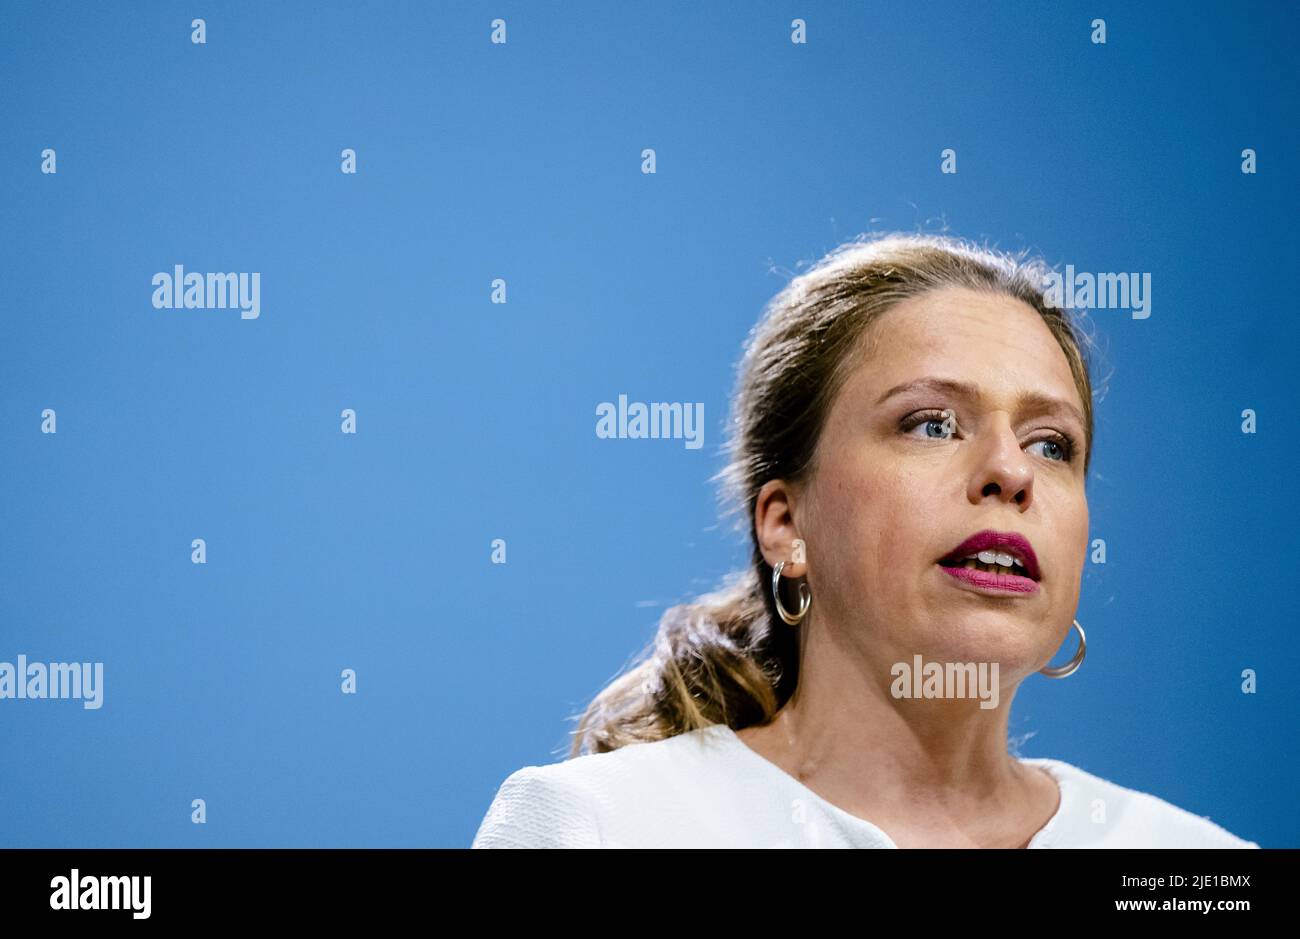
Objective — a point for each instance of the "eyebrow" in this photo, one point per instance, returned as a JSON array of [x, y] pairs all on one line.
[[1031, 400]]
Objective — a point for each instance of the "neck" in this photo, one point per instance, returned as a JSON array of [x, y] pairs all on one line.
[[933, 764]]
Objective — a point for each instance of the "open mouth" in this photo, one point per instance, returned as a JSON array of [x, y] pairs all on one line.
[[990, 578], [996, 566], [994, 560]]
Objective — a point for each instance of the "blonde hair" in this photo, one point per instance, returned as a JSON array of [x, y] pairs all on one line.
[[725, 657]]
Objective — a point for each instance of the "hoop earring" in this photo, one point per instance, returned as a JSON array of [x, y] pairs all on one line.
[[805, 597], [1069, 667]]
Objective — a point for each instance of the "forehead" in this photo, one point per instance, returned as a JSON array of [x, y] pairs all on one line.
[[997, 342]]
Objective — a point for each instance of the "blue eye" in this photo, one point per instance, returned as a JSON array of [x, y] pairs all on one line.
[[932, 421], [935, 423], [1061, 445]]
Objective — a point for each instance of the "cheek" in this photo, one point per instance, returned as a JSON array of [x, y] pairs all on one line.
[[1074, 514], [1070, 534], [874, 526]]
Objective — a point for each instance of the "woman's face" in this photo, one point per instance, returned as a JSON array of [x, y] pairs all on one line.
[[894, 491]]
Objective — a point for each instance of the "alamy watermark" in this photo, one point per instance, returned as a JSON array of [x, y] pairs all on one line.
[[194, 291], [1106, 291], [76, 892], [659, 419], [918, 679], [84, 680]]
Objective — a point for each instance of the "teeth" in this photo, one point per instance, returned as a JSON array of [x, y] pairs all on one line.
[[996, 557], [975, 565], [1003, 562]]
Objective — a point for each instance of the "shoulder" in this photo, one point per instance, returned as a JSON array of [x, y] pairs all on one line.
[[536, 807], [565, 804], [1106, 814]]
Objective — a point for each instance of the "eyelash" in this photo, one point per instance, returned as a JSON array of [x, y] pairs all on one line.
[[1065, 441]]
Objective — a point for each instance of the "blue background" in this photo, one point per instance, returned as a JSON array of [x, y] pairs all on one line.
[[476, 421]]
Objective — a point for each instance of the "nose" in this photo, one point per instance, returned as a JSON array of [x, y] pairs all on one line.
[[1003, 469]]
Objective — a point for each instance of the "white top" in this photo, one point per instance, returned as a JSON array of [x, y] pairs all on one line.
[[709, 789]]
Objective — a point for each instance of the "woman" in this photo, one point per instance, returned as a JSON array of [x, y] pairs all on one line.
[[911, 435]]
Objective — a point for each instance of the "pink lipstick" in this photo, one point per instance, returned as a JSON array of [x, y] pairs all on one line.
[[1012, 566]]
